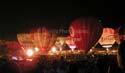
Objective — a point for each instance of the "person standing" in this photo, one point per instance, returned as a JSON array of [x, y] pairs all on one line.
[[121, 49]]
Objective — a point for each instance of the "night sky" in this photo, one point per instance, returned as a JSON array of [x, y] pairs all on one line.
[[16, 18]]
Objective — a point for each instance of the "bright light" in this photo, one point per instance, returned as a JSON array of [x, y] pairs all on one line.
[[72, 47], [114, 50], [36, 49], [14, 58], [60, 49], [107, 46], [29, 52], [107, 49], [91, 50], [29, 59], [54, 50]]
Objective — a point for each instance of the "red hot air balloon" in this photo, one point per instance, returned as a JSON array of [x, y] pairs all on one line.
[[43, 38], [86, 32]]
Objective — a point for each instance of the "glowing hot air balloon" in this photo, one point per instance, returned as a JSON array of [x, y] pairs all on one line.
[[107, 39], [43, 38], [86, 32]]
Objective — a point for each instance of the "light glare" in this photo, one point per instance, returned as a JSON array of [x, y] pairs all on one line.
[[54, 50], [36, 49], [29, 52]]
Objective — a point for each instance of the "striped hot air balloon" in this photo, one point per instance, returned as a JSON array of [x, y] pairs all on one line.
[[86, 32], [43, 38]]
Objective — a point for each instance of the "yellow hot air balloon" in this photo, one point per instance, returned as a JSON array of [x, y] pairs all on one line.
[[43, 38]]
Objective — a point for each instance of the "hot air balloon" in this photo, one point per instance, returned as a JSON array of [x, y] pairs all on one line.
[[107, 39], [43, 38], [86, 32]]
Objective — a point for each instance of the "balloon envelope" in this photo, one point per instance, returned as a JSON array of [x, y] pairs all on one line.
[[86, 32], [107, 37], [43, 38]]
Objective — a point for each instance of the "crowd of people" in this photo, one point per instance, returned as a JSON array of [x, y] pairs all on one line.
[[92, 64]]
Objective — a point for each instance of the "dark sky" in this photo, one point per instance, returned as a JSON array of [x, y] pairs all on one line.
[[15, 18]]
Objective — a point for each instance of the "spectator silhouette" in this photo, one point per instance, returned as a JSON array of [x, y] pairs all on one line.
[[121, 50], [11, 67], [62, 65]]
